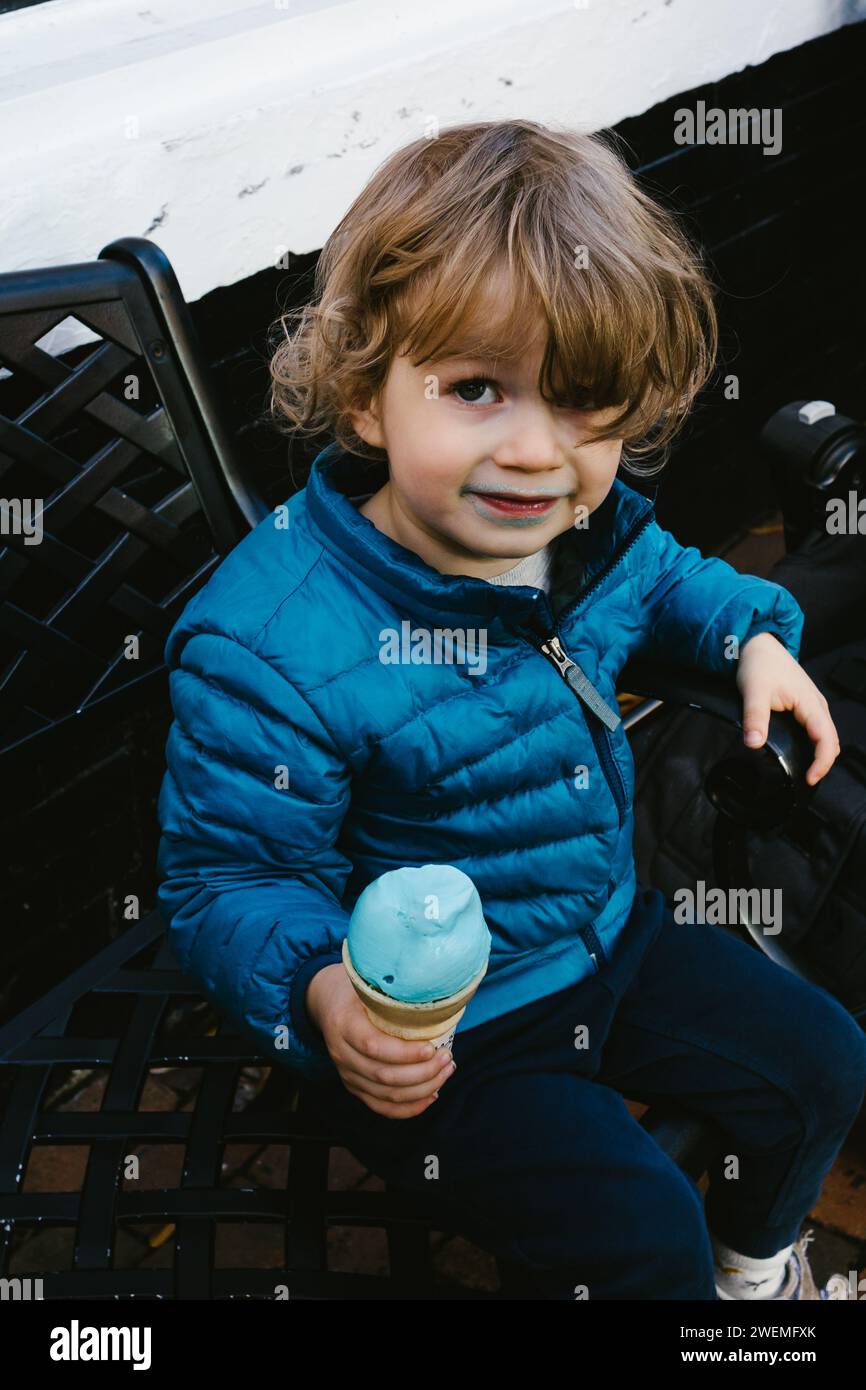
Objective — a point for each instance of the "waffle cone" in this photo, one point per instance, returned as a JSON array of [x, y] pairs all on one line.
[[435, 1022]]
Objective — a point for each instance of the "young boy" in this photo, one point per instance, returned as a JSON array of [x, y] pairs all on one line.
[[499, 315]]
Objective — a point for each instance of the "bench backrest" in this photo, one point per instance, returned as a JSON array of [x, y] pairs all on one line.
[[119, 490]]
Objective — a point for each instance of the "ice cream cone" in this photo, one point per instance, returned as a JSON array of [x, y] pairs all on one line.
[[435, 1022]]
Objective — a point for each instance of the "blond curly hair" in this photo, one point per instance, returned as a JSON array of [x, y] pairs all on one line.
[[626, 297]]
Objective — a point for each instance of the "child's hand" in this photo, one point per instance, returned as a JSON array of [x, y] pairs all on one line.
[[395, 1078], [769, 678]]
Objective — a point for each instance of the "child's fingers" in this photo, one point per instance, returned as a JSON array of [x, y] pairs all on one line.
[[400, 1092], [392, 1110], [388, 1062], [756, 720], [391, 1079], [813, 713], [373, 1043], [815, 716]]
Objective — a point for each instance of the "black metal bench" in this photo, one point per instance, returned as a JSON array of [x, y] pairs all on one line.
[[137, 514]]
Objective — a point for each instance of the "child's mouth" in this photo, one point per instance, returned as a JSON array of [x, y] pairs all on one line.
[[512, 504]]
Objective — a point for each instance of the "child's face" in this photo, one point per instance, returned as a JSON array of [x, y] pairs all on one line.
[[482, 470]]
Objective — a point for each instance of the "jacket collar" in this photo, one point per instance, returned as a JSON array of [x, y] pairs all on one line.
[[402, 577]]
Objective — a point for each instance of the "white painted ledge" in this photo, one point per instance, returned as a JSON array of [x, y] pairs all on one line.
[[231, 131]]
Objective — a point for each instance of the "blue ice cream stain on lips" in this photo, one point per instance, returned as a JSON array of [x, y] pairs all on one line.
[[419, 934]]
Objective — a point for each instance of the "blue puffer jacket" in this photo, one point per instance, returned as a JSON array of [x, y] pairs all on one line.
[[309, 753]]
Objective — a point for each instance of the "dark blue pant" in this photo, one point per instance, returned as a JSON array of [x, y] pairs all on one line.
[[535, 1156]]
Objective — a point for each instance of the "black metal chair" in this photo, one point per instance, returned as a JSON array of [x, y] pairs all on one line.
[[141, 498]]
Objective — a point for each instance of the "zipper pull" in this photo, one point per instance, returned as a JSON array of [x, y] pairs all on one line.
[[579, 681], [553, 649]]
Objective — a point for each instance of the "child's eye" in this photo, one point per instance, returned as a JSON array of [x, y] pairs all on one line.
[[581, 398], [471, 384]]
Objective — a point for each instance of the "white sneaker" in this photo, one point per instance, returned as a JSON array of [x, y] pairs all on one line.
[[799, 1281]]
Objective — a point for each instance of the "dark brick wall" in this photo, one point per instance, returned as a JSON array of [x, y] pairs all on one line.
[[784, 235], [785, 240]]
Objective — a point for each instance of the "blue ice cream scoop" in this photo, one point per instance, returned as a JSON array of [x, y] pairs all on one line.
[[419, 934]]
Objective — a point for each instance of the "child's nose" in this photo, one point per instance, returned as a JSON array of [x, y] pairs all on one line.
[[534, 442], [531, 451]]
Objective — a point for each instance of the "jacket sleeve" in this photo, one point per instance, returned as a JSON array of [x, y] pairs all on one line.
[[250, 809], [691, 605]]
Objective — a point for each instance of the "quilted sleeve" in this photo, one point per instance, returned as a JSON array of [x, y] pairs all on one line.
[[692, 605], [250, 810]]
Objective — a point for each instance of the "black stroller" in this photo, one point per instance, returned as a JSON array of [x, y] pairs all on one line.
[[815, 843]]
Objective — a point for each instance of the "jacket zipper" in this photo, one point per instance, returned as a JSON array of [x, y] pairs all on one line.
[[593, 945], [552, 648], [639, 526], [578, 680], [602, 721]]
